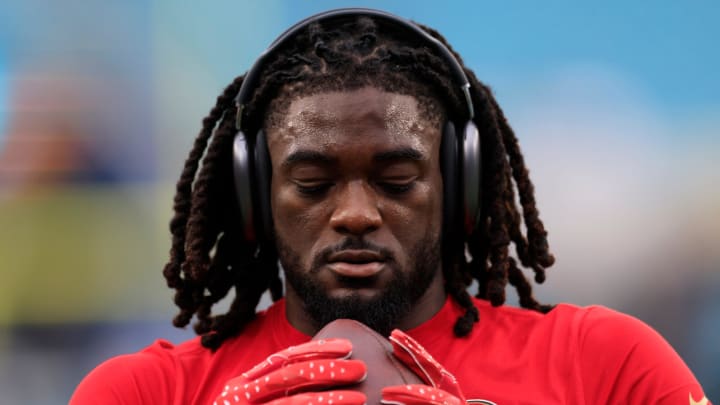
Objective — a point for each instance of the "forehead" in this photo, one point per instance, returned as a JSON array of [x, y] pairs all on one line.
[[360, 118]]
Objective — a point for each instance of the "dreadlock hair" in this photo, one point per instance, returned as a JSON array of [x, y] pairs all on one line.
[[208, 256]]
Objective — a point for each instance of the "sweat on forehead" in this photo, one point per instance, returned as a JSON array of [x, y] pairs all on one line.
[[366, 115], [429, 108]]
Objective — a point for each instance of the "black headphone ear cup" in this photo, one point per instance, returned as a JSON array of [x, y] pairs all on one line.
[[263, 178], [472, 177], [253, 181], [242, 173], [449, 167]]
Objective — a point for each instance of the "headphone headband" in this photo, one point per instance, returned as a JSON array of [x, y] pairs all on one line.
[[460, 148], [253, 75]]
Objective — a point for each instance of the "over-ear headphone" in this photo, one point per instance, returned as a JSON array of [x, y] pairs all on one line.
[[460, 152]]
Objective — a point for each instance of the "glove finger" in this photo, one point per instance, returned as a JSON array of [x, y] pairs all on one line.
[[417, 394], [313, 350], [323, 398], [295, 378], [414, 355]]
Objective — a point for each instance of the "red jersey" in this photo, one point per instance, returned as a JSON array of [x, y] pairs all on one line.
[[571, 355]]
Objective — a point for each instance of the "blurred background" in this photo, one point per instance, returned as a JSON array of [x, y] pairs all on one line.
[[617, 107]]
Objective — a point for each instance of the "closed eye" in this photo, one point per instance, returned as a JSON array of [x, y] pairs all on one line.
[[312, 189], [397, 186]]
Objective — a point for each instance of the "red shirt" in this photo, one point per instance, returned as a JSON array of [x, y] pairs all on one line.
[[572, 355]]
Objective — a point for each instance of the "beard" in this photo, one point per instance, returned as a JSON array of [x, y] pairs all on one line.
[[381, 312]]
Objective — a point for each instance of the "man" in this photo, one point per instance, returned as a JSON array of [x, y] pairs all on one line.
[[381, 175]]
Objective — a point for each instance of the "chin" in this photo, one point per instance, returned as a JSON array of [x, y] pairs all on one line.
[[364, 295]]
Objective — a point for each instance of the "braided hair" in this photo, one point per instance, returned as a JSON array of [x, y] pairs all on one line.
[[209, 257]]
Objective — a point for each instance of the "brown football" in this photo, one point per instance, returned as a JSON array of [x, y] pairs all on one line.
[[384, 370]]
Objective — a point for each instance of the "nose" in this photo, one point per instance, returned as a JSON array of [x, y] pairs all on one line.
[[356, 210]]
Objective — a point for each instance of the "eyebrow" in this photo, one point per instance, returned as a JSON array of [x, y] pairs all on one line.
[[399, 154], [307, 156], [315, 157]]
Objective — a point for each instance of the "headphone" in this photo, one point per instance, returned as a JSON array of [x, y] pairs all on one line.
[[460, 152]]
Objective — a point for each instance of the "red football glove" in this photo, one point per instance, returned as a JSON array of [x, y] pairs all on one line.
[[442, 388], [287, 377]]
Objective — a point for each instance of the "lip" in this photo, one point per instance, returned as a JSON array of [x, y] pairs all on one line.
[[356, 270], [356, 263], [356, 256]]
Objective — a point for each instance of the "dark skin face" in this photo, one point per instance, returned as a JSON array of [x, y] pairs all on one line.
[[357, 206]]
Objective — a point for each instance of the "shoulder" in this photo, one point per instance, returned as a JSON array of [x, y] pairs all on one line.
[[593, 354], [187, 372], [590, 328], [593, 333], [603, 332], [622, 359], [141, 377], [563, 320]]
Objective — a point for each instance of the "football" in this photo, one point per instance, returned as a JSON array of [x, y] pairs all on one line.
[[384, 369]]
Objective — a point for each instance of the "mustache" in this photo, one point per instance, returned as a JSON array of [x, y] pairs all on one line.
[[350, 243]]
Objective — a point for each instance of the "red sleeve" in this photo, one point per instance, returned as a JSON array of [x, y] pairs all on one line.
[[624, 361], [146, 377]]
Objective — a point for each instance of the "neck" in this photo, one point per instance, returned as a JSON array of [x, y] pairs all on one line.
[[426, 306]]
